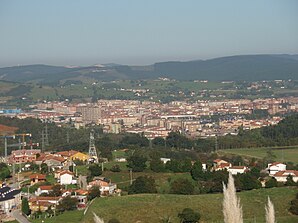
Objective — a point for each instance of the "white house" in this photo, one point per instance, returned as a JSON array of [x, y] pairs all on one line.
[[104, 184], [234, 170], [165, 160], [273, 168], [66, 177], [281, 176], [44, 189]]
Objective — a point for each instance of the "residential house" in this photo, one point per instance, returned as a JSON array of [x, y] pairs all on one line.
[[67, 154], [44, 189], [37, 178], [120, 159], [165, 160], [66, 177], [281, 176], [275, 167], [79, 156], [43, 203], [220, 164], [234, 170], [104, 184], [23, 156]]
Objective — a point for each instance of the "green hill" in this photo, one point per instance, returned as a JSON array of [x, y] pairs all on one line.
[[245, 67], [148, 208]]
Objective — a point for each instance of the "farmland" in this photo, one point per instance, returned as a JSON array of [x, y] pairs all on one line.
[[281, 154]]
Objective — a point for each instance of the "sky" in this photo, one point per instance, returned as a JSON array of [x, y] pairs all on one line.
[[141, 32]]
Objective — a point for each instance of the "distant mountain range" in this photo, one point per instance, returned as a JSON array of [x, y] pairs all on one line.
[[244, 67]]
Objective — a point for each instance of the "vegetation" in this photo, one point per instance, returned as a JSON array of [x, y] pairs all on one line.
[[189, 216], [156, 206], [143, 184], [4, 171], [294, 206], [25, 206]]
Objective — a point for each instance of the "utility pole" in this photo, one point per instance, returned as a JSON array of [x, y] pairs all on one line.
[[92, 149], [46, 135], [67, 136], [216, 144], [130, 174], [42, 141]]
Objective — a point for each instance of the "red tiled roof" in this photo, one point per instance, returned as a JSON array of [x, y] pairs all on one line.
[[46, 187], [238, 167], [67, 153], [285, 173], [38, 176], [66, 172]]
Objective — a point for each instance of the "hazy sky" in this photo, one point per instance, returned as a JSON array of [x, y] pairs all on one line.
[[84, 32]]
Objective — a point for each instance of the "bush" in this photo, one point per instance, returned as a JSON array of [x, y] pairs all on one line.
[[271, 183], [143, 184], [115, 168], [294, 206], [189, 216], [182, 186]]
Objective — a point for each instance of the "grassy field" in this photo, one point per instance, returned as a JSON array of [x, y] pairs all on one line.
[[162, 180], [148, 208], [289, 154], [152, 207], [67, 217]]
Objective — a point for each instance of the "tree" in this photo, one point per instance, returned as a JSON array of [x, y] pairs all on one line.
[[4, 171], [93, 192], [197, 171], [115, 168], [248, 182], [294, 206], [188, 215], [143, 184], [290, 181], [25, 206], [44, 168], [95, 170], [137, 163], [158, 142], [182, 186], [56, 190], [272, 182], [68, 203], [156, 165]]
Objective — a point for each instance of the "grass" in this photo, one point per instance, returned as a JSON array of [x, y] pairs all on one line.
[[289, 154], [66, 217], [152, 207], [163, 180]]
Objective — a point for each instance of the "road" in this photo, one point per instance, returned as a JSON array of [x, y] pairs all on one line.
[[19, 217]]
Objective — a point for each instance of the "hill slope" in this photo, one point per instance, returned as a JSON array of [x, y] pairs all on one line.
[[246, 67], [152, 207]]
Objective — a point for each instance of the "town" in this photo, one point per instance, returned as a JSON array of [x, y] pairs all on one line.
[[45, 181]]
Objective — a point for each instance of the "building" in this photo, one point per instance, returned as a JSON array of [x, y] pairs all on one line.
[[281, 176], [9, 199], [80, 156], [43, 203], [234, 170], [66, 177], [106, 187], [220, 164], [44, 189], [23, 156], [37, 178], [90, 113], [273, 168]]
